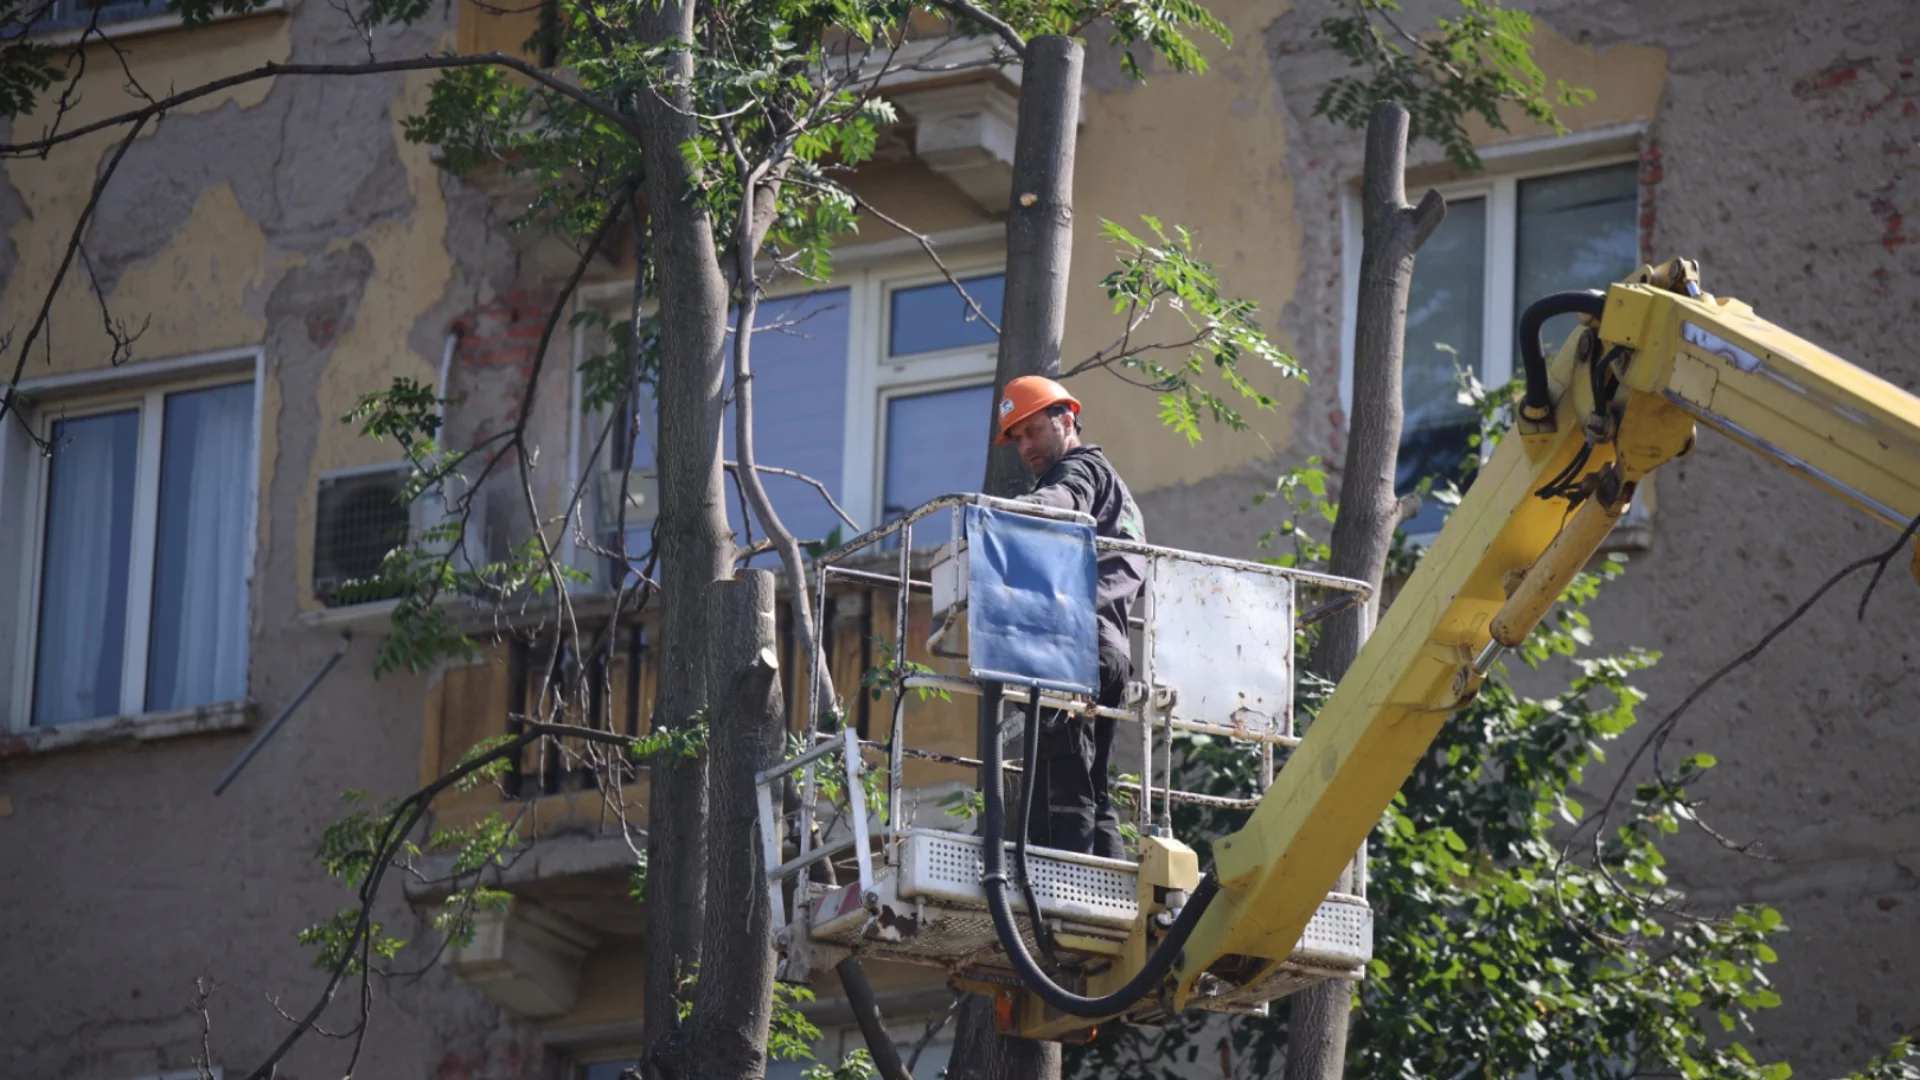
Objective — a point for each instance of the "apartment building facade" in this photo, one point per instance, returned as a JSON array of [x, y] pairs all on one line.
[[169, 574]]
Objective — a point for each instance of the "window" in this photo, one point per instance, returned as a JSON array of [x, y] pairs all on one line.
[[142, 547], [936, 391], [1505, 243], [606, 1070], [926, 436], [800, 380], [878, 387], [72, 14]]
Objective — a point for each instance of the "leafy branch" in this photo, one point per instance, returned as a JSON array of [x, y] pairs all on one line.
[[1166, 274], [1471, 65]]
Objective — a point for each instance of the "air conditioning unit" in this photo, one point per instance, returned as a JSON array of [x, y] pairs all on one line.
[[643, 498], [430, 514], [359, 518]]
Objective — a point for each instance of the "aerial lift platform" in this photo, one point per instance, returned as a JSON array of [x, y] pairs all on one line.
[[1215, 648]]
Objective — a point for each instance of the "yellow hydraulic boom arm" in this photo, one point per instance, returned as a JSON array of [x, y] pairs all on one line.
[[1668, 358]]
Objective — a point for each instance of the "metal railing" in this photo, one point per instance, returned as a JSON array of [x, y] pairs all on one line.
[[1149, 706]]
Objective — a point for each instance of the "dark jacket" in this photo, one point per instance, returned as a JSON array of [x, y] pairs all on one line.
[[1086, 481]]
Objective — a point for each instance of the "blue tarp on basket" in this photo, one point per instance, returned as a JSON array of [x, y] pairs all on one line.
[[1030, 594]]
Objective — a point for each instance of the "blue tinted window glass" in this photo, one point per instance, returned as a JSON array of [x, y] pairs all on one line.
[[607, 1070], [1444, 312], [198, 650], [928, 318], [84, 567], [62, 14], [800, 386], [800, 403], [933, 449], [1576, 231]]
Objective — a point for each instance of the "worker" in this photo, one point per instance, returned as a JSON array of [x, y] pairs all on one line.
[[1072, 810]]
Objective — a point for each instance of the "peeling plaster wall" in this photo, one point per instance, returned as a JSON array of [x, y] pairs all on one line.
[[287, 214], [1781, 151]]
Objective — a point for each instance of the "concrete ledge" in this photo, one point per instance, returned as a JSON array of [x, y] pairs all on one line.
[[470, 616], [146, 727], [964, 132], [545, 861], [526, 959]]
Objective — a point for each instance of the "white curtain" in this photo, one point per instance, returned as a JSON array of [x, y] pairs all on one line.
[[83, 584], [197, 651]]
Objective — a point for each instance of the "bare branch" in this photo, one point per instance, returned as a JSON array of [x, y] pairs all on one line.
[[203, 989], [1656, 738], [925, 242], [986, 20], [748, 475], [933, 1028], [66, 261], [116, 329], [39, 147], [805, 479]]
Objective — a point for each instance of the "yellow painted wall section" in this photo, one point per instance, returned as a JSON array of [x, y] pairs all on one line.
[[910, 192], [502, 30], [411, 269], [1207, 152], [1627, 81], [197, 290]]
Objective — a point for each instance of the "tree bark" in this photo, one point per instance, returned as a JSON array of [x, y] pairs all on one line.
[[1039, 234], [1369, 511], [1033, 321], [695, 544], [732, 1001]]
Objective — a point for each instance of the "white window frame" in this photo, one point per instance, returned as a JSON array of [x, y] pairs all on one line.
[[870, 273], [1506, 167], [874, 378], [144, 387]]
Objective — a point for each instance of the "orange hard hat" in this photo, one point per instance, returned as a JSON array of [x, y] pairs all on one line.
[[1027, 395]]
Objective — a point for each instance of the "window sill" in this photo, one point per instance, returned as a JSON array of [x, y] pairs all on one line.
[[468, 616], [146, 727], [151, 24]]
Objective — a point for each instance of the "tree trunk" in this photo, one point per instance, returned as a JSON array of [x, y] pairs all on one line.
[[1039, 234], [1369, 512], [732, 1001], [1034, 319], [695, 544]]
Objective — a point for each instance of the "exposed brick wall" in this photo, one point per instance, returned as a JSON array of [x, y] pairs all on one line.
[[493, 360], [1651, 173], [1867, 92], [500, 1060]]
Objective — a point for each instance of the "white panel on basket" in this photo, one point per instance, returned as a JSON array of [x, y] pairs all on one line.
[[946, 867], [1339, 933], [939, 882], [1223, 640]]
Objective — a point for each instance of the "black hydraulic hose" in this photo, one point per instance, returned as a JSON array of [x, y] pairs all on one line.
[[1538, 403], [1030, 745], [886, 1056], [994, 881]]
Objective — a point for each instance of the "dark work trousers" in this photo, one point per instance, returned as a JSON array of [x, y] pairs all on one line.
[[1071, 807]]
